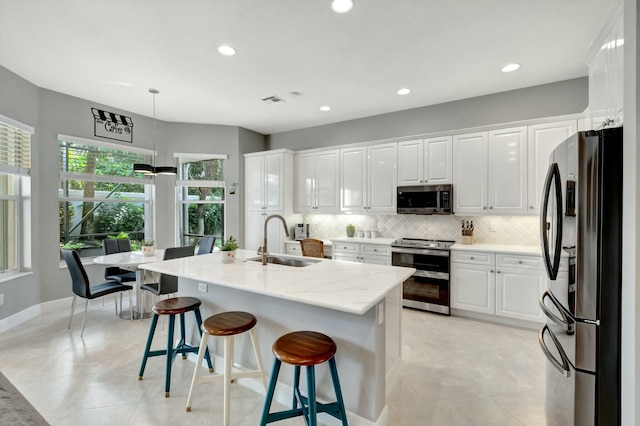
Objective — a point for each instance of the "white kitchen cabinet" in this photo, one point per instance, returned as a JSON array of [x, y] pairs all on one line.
[[425, 161], [377, 254], [518, 291], [316, 180], [293, 247], [269, 191], [489, 172], [473, 287], [606, 64], [368, 177], [542, 140]]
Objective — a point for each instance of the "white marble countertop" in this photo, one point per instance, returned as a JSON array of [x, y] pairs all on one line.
[[499, 248], [379, 241], [343, 286]]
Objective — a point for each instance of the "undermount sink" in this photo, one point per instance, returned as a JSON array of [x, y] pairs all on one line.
[[287, 261]]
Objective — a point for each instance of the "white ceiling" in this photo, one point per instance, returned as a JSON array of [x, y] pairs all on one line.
[[112, 51]]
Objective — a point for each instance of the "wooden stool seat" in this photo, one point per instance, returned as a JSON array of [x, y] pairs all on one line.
[[308, 349], [304, 348], [176, 305], [172, 307], [229, 323]]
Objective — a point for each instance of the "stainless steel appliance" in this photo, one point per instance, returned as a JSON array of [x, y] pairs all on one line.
[[301, 231], [425, 199], [428, 288], [581, 215]]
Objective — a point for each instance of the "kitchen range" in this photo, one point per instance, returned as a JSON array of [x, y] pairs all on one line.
[[428, 287]]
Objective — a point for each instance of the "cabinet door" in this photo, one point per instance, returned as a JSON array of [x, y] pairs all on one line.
[[473, 288], [327, 180], [304, 183], [293, 248], [253, 230], [517, 293], [410, 162], [345, 256], [352, 179], [437, 160], [274, 188], [507, 172], [254, 178], [470, 172], [542, 140], [381, 178], [376, 260]]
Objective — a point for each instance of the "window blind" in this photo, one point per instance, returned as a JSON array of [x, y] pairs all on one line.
[[15, 149]]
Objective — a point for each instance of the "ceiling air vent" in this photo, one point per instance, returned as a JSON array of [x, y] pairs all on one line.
[[272, 99]]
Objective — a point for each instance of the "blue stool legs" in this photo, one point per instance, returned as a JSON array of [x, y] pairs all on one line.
[[308, 405]]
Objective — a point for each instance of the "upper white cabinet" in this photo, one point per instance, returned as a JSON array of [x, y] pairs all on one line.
[[425, 161], [489, 172], [542, 140], [316, 179], [605, 61], [368, 176]]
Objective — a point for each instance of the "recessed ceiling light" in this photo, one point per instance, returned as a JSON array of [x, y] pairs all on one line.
[[325, 108], [510, 67], [226, 50], [403, 91], [342, 6], [120, 83], [612, 44]]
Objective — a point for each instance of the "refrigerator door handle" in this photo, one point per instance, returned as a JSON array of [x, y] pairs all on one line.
[[567, 321], [553, 175], [562, 367]]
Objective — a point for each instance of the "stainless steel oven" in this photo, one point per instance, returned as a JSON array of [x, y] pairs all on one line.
[[428, 287]]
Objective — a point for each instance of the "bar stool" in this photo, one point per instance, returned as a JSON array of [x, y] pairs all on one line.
[[227, 325], [172, 307], [304, 348]]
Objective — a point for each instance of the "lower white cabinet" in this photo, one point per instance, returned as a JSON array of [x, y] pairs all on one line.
[[375, 254], [504, 285], [293, 247]]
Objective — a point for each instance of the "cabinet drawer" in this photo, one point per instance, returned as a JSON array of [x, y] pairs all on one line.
[[292, 248], [367, 249], [474, 257], [345, 248], [516, 261]]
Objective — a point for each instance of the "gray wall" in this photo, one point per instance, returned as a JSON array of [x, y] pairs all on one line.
[[52, 113], [560, 98]]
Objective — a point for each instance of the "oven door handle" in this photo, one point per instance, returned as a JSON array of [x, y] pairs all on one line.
[[562, 367], [443, 253], [566, 322], [431, 274]]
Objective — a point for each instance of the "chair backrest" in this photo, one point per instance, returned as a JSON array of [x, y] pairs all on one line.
[[124, 244], [112, 246], [206, 244], [79, 279], [169, 283], [312, 247]]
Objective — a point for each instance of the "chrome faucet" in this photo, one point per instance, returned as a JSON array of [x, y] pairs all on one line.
[[265, 252]]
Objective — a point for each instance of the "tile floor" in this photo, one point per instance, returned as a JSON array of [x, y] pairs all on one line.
[[455, 371]]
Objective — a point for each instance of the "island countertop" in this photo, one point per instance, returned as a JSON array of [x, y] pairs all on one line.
[[343, 286]]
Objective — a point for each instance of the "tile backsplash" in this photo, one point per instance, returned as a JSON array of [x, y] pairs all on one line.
[[508, 229]]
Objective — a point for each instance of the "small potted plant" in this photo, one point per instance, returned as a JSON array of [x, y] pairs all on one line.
[[228, 250], [148, 247], [351, 230]]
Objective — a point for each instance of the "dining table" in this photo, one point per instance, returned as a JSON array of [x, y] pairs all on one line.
[[131, 260]]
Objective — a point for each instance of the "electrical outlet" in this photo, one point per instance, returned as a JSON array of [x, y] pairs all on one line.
[[202, 287], [494, 227], [1, 299], [381, 313]]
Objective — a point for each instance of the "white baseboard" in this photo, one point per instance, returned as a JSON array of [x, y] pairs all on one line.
[[33, 311]]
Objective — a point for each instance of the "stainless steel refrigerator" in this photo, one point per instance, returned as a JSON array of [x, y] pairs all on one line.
[[581, 235]]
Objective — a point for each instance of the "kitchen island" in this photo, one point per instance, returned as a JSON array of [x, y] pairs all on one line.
[[358, 305]]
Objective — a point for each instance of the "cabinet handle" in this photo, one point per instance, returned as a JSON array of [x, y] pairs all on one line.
[[491, 208], [471, 257], [484, 208], [499, 272], [520, 262], [531, 207], [491, 271]]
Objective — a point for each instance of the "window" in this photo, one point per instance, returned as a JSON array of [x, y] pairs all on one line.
[[100, 195], [15, 190], [201, 197]]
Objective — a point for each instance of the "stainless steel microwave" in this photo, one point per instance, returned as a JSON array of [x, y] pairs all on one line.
[[425, 199]]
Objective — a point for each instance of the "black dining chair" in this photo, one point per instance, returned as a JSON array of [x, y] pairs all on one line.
[[82, 287], [207, 243], [168, 284], [113, 273]]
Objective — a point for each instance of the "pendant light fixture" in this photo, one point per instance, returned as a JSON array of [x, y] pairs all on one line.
[[152, 170]]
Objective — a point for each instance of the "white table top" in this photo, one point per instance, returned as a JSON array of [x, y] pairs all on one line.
[[343, 286], [128, 259]]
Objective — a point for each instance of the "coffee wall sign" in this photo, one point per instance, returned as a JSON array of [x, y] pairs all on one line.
[[112, 126]]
